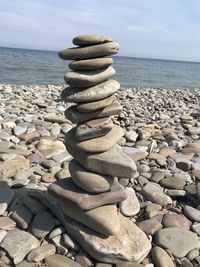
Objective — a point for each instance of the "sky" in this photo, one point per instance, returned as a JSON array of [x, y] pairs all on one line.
[[165, 29]]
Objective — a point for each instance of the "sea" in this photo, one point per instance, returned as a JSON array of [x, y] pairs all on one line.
[[25, 66]]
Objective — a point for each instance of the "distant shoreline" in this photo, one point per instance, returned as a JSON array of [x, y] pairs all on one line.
[[121, 56]]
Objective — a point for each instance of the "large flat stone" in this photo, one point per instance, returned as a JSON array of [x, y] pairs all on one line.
[[91, 64], [129, 244], [18, 244], [88, 52], [113, 162], [88, 78], [94, 128], [91, 106], [89, 181], [178, 240], [77, 117], [94, 93], [103, 220], [98, 144], [66, 190], [91, 39]]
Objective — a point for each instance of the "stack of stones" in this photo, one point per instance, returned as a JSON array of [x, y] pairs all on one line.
[[91, 194]]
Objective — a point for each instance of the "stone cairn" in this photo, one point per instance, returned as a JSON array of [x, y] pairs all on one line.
[[88, 198]]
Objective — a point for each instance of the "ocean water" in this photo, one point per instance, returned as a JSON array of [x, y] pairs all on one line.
[[24, 66]]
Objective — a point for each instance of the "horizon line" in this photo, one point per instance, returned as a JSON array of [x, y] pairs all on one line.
[[148, 58]]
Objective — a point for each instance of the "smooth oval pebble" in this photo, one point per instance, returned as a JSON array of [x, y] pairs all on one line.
[[91, 106], [192, 213], [98, 144], [91, 39], [94, 128], [161, 258], [172, 219], [77, 117], [173, 183], [57, 260], [41, 252], [91, 64], [89, 181], [88, 78], [131, 205], [94, 93], [94, 51]]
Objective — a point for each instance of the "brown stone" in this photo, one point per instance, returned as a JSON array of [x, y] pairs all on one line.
[[89, 181], [65, 190], [172, 219]]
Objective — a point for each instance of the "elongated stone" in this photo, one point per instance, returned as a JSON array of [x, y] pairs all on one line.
[[91, 106], [77, 117], [113, 162], [94, 93], [58, 260], [94, 128], [161, 258], [91, 39], [87, 52], [97, 219], [89, 181], [88, 78], [91, 64], [98, 144], [66, 190]]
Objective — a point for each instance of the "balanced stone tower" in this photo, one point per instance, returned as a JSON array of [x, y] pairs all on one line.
[[89, 197]]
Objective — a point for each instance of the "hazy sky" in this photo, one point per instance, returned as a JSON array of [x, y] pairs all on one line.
[[168, 29]]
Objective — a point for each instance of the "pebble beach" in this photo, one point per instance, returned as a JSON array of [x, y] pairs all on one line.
[[161, 135]]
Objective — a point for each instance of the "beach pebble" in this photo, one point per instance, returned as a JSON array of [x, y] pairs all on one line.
[[131, 205]]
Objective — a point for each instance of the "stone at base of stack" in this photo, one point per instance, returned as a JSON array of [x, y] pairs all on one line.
[[89, 197]]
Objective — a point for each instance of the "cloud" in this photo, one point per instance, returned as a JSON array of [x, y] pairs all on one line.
[[144, 28]]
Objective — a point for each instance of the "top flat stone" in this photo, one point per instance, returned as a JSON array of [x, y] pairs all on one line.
[[91, 39], [94, 93], [87, 52]]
